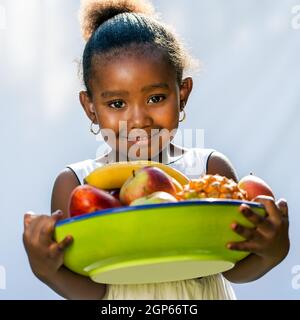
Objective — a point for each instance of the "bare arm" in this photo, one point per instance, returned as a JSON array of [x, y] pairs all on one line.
[[67, 283], [46, 256], [266, 250], [249, 269]]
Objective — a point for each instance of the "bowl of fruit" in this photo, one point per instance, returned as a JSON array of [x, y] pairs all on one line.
[[145, 222]]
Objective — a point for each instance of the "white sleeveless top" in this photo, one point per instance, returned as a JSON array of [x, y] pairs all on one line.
[[193, 163]]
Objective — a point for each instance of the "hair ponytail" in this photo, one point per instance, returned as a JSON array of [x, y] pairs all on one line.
[[110, 26], [94, 13]]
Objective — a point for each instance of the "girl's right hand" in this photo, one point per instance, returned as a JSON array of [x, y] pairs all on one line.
[[44, 254]]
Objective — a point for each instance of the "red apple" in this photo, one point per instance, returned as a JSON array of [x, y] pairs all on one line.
[[144, 182], [87, 199], [255, 186]]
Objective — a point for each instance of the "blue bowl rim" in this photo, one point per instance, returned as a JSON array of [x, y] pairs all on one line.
[[126, 209]]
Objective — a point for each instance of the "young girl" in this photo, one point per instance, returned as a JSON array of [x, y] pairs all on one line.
[[133, 72]]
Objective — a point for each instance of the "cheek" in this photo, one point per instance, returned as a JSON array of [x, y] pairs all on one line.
[[108, 120], [167, 117]]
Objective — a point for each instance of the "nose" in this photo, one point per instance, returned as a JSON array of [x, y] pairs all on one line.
[[139, 117]]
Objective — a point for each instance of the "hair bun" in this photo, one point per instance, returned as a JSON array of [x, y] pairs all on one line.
[[94, 13]]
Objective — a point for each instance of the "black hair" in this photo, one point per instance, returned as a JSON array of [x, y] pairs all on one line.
[[113, 26]]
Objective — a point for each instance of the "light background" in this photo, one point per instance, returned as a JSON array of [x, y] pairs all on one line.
[[247, 99]]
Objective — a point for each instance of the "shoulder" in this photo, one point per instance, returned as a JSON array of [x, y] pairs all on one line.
[[66, 177], [218, 163], [84, 168], [64, 184]]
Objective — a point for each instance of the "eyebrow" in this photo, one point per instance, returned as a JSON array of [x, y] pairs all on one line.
[[156, 86], [109, 94]]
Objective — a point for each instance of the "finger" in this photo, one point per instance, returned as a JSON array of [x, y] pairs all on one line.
[[251, 216], [283, 206], [245, 246], [41, 228], [57, 216], [246, 233], [65, 243], [270, 206], [30, 224], [47, 227], [30, 220], [28, 217], [58, 248], [262, 224]]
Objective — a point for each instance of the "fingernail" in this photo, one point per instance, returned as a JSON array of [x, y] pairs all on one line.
[[246, 212], [233, 225], [244, 207], [29, 213]]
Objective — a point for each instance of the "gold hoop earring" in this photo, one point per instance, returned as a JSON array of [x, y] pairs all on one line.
[[184, 114], [92, 129]]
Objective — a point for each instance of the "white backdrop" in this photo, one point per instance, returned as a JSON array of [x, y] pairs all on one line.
[[246, 98]]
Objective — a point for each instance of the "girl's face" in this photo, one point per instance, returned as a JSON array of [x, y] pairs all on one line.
[[138, 98]]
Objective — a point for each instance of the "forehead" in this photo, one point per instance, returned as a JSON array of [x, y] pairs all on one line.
[[131, 70]]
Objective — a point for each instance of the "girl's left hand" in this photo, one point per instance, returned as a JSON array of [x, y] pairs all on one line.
[[269, 237]]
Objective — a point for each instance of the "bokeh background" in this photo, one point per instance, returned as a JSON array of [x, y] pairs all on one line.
[[246, 98]]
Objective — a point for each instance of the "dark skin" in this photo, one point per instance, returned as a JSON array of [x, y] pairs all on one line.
[[267, 241], [152, 108], [150, 100]]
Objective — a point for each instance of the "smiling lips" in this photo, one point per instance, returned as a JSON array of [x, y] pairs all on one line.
[[139, 138], [143, 138]]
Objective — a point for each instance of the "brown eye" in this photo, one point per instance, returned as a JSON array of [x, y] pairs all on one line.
[[119, 104], [156, 99]]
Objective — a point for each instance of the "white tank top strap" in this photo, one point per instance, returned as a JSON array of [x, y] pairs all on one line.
[[193, 163], [83, 168]]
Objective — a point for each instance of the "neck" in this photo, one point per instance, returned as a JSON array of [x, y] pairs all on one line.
[[166, 156]]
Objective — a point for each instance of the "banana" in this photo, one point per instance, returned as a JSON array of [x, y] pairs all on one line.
[[177, 185], [113, 175]]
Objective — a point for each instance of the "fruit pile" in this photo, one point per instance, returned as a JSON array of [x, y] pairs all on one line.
[[126, 184], [147, 182], [212, 186]]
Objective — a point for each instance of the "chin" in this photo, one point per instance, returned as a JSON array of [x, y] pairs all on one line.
[[142, 152]]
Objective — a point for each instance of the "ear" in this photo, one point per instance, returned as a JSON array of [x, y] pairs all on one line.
[[88, 106], [185, 91]]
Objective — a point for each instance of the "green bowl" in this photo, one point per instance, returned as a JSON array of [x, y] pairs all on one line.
[[155, 243]]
